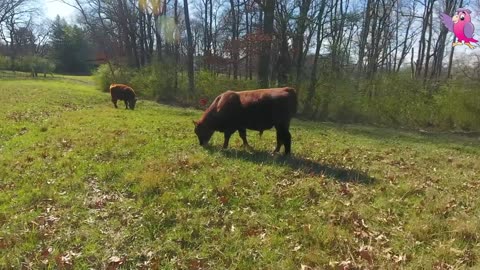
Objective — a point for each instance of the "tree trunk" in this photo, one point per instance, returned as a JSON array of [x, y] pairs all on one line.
[[247, 45], [283, 61], [234, 41], [177, 41], [406, 43], [158, 38], [190, 49], [143, 39], [364, 36], [301, 27], [264, 59], [319, 40], [429, 45], [150, 37], [210, 30]]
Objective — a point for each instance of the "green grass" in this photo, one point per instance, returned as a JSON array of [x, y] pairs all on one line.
[[85, 185], [6, 74], [16, 74]]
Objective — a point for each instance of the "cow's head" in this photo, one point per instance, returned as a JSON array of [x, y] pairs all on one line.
[[203, 133], [131, 103]]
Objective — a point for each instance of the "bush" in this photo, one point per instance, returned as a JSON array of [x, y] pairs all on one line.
[[157, 81], [31, 64], [395, 100], [40, 65], [458, 108], [210, 85], [390, 100], [4, 62], [103, 76]]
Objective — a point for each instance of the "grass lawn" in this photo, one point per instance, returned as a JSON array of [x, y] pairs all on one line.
[[84, 185]]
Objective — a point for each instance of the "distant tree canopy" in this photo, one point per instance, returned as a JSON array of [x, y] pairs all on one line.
[[345, 57], [70, 48]]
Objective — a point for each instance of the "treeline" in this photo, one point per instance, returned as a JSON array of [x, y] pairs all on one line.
[[385, 62], [31, 43]]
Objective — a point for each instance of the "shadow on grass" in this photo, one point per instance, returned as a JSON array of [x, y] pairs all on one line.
[[418, 136], [467, 143], [296, 163]]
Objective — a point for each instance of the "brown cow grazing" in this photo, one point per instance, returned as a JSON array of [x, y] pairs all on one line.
[[255, 109], [125, 93]]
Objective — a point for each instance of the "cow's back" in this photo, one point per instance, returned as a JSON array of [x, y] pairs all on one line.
[[266, 108], [255, 109]]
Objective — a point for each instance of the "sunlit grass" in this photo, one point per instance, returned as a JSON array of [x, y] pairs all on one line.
[[85, 185]]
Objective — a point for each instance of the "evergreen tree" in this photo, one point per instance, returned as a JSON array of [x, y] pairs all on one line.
[[70, 48]]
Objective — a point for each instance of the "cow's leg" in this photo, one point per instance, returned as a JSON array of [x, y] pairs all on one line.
[[227, 134], [288, 141], [286, 137], [114, 101], [283, 137], [279, 139], [126, 104], [243, 135]]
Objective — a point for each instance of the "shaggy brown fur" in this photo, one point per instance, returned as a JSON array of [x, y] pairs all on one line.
[[125, 93]]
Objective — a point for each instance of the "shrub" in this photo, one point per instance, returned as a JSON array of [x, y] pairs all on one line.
[[458, 108], [4, 62], [390, 100], [210, 85], [157, 81], [103, 76], [32, 64], [395, 100]]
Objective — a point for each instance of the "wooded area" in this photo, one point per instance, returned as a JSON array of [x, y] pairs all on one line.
[[344, 56]]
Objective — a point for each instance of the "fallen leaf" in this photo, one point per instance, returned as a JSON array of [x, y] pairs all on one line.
[[365, 253], [114, 262], [345, 190], [305, 267], [223, 199], [114, 259], [399, 258]]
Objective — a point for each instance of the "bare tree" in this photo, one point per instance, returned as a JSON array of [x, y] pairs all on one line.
[[190, 48], [282, 20], [320, 23], [425, 39], [16, 27], [234, 41], [268, 10], [299, 39]]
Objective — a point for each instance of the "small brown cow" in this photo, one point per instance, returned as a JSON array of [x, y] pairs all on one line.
[[258, 110], [125, 93]]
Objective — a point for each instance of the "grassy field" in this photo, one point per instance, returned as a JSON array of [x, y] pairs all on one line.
[[83, 185], [6, 74]]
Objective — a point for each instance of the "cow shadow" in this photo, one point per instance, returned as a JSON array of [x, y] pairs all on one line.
[[306, 165]]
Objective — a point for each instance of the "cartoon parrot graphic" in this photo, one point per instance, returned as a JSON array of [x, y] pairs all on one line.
[[461, 26]]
